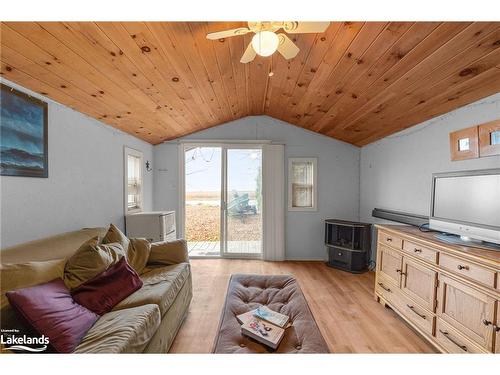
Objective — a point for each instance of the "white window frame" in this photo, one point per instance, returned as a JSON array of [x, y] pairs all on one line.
[[127, 151], [314, 162]]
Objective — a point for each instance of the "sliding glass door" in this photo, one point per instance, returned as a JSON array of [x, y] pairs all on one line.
[[203, 199], [223, 200], [243, 214]]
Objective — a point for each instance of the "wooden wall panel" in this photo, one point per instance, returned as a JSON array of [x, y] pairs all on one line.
[[357, 81]]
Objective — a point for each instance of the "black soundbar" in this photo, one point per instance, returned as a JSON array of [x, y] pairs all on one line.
[[400, 217]]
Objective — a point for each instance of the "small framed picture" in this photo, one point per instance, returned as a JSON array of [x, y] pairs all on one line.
[[489, 138], [464, 144], [23, 135]]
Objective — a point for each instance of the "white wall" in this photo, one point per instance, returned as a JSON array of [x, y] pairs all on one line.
[[396, 171], [85, 183], [338, 177]]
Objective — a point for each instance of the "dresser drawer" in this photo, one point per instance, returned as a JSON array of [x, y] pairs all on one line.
[[386, 289], [421, 252], [415, 313], [390, 240], [454, 342], [421, 317], [467, 269]]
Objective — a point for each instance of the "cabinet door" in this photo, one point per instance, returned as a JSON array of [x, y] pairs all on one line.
[[419, 282], [466, 309], [390, 264]]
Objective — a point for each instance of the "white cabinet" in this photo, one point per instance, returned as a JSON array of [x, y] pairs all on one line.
[[154, 226]]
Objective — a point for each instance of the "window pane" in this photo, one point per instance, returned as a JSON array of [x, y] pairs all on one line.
[[495, 137], [302, 184], [133, 182], [463, 144]]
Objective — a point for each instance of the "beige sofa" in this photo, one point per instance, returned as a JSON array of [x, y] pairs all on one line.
[[146, 321]]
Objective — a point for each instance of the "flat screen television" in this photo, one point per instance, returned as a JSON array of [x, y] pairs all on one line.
[[467, 204]]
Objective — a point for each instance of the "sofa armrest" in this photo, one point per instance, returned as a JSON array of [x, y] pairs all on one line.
[[168, 253]]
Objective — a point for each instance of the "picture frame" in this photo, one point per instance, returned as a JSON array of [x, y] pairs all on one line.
[[23, 134], [464, 144], [489, 138]]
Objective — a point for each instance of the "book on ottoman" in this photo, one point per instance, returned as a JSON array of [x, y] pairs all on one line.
[[265, 313], [263, 331]]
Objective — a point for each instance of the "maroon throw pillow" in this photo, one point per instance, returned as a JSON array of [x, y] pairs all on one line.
[[104, 291], [50, 310]]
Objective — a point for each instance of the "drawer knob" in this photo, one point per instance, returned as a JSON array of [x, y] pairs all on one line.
[[401, 272], [460, 267], [497, 328], [417, 250], [389, 239], [486, 322]]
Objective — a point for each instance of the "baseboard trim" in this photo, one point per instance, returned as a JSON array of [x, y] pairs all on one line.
[[305, 260]]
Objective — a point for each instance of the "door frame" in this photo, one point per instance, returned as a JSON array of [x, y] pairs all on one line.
[[224, 145]]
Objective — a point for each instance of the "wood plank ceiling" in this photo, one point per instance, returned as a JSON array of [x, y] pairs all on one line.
[[357, 82]]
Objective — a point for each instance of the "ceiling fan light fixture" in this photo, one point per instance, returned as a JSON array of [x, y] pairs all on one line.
[[265, 43]]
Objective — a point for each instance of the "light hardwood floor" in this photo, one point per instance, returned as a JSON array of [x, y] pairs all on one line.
[[342, 303]]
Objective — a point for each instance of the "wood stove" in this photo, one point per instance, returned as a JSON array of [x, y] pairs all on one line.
[[348, 244]]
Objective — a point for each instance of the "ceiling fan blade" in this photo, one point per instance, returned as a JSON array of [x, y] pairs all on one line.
[[249, 54], [287, 48], [228, 33], [295, 27]]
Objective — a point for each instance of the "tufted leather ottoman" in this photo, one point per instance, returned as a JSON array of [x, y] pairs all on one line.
[[280, 293]]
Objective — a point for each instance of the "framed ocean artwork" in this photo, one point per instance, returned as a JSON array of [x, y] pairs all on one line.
[[23, 134]]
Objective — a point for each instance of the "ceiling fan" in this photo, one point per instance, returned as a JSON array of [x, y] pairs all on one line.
[[265, 41]]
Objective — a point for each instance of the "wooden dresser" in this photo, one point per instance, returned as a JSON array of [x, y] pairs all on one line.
[[448, 293]]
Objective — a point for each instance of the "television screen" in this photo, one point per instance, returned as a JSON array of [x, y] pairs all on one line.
[[468, 199]]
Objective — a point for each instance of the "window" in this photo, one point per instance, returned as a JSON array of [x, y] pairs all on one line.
[[133, 180], [463, 144], [302, 181]]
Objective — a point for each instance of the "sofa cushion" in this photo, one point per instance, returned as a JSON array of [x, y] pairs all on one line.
[[168, 253], [50, 311], [115, 235], [22, 275], [90, 260], [136, 249], [160, 287], [59, 246], [123, 331], [101, 293], [17, 276]]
